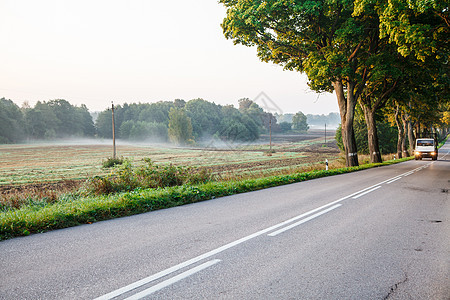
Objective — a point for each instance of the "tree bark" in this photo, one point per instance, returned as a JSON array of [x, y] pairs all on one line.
[[347, 112], [404, 118], [411, 137], [400, 132], [372, 134]]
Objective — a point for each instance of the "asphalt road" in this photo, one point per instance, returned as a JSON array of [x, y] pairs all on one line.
[[382, 233]]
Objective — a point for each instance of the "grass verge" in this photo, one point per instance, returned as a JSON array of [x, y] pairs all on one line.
[[75, 211]]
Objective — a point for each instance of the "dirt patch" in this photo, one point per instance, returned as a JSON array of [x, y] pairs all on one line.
[[59, 186]]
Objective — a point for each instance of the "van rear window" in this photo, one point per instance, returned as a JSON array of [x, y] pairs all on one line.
[[425, 143]]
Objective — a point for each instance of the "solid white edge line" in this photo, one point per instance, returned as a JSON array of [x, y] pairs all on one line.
[[366, 192], [173, 280], [175, 268], [304, 220]]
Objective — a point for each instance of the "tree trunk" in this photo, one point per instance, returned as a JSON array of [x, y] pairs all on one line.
[[405, 133], [372, 134], [400, 132], [411, 138], [347, 112]]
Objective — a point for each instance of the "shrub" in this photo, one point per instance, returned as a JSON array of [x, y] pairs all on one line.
[[126, 178], [111, 162]]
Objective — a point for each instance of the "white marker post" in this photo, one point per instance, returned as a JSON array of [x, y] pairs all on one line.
[[326, 164]]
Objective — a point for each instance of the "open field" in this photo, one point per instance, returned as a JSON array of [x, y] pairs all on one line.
[[38, 163], [44, 172], [44, 186]]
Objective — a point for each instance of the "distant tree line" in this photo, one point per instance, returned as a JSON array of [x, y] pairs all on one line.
[[177, 121], [46, 120], [184, 122], [332, 119]]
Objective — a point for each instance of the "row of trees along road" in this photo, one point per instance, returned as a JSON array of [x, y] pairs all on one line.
[[385, 56]]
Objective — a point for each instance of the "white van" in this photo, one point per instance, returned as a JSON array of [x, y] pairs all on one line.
[[426, 147]]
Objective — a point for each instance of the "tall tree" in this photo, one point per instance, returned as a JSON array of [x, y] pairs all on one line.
[[320, 38], [12, 129], [380, 86], [41, 121], [205, 116], [299, 122], [85, 118], [180, 127], [237, 126]]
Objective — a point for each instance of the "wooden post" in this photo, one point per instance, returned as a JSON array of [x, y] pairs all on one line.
[[113, 131], [325, 134], [270, 132]]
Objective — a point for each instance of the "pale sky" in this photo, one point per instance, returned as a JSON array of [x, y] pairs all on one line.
[[96, 51]]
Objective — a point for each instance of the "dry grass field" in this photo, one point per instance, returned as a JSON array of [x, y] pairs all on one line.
[[47, 170], [38, 163]]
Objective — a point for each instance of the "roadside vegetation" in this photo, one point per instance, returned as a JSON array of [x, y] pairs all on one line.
[[85, 208], [130, 189]]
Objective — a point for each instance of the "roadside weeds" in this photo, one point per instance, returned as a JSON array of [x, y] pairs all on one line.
[[75, 211]]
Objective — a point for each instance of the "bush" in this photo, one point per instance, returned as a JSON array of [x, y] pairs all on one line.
[[126, 178], [111, 162]]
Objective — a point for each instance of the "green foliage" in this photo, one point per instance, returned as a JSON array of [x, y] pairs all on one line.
[[205, 117], [12, 129], [111, 162], [285, 127], [58, 119], [180, 127], [136, 121], [308, 36], [319, 38], [299, 122], [416, 27], [170, 120], [387, 136], [141, 130], [150, 175], [236, 125], [83, 210], [47, 120]]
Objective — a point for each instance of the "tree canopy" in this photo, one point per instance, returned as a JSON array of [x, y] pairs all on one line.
[[347, 46], [46, 120]]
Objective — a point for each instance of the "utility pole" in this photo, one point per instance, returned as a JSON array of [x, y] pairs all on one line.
[[113, 131], [270, 132], [325, 134]]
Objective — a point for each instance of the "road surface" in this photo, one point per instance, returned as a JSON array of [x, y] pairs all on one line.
[[382, 233]]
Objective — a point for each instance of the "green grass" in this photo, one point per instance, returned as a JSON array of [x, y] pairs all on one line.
[[25, 164], [76, 210]]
